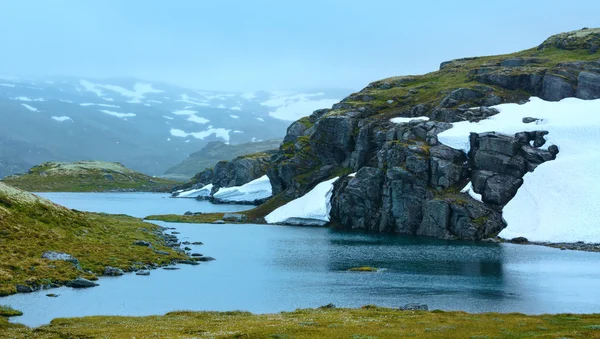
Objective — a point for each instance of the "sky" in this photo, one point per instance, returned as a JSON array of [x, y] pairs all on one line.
[[269, 44]]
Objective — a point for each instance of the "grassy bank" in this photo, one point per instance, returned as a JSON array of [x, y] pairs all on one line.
[[30, 225], [364, 323], [86, 176]]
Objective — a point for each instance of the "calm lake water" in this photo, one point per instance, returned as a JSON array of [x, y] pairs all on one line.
[[262, 268]]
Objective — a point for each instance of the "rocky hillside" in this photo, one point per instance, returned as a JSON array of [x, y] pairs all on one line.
[[407, 181], [214, 152], [44, 245], [148, 126], [86, 176]]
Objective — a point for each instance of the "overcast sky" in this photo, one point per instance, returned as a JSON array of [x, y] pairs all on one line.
[[269, 44]]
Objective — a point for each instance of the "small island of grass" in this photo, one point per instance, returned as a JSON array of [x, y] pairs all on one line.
[[363, 269], [7, 311]]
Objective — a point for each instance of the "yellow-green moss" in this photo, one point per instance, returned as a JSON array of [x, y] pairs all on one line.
[[7, 311], [362, 323], [30, 225], [363, 269]]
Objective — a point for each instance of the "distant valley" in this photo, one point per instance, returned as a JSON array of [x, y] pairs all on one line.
[[148, 126]]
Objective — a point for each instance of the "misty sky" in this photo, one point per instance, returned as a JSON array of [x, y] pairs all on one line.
[[269, 44]]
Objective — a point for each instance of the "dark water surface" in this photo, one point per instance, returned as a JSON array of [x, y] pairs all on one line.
[[263, 268]]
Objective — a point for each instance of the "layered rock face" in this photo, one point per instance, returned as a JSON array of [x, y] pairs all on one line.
[[406, 181]]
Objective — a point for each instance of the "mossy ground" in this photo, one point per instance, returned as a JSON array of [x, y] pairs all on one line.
[[86, 176], [7, 311], [30, 225], [367, 322]]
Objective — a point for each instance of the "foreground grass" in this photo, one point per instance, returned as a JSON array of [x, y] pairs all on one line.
[[86, 176], [30, 225], [364, 323]]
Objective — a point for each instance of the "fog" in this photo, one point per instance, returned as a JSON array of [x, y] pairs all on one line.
[[268, 45]]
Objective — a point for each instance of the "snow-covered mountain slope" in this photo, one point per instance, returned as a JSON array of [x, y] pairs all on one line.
[[147, 126]]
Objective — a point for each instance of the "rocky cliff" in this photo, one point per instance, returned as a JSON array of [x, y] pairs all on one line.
[[407, 181]]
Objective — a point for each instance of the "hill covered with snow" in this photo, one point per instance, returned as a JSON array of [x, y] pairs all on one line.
[[147, 126]]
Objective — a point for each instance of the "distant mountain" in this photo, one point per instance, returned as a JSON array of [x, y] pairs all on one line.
[[214, 152], [147, 126]]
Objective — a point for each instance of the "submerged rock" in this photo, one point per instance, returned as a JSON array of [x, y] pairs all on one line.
[[145, 273]]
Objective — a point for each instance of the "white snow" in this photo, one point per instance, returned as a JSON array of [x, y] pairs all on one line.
[[254, 190], [184, 112], [313, 208], [235, 108], [288, 106], [169, 118], [67, 101], [218, 132], [559, 201], [22, 99], [221, 106], [33, 109], [139, 90], [237, 132], [201, 192], [469, 189], [61, 119], [234, 116], [400, 120], [197, 119], [194, 101], [260, 119], [117, 114], [102, 105], [8, 85]]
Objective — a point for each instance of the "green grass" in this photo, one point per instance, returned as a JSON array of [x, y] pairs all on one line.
[[7, 311], [86, 176], [30, 225], [361, 323]]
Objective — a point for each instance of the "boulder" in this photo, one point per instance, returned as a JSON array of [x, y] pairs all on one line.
[[588, 86], [414, 307], [24, 289], [142, 243], [556, 88], [80, 283], [145, 273], [113, 271], [235, 217], [52, 255]]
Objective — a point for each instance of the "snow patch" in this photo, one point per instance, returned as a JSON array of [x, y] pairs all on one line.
[[197, 119], [313, 208], [235, 108], [33, 109], [8, 85], [295, 106], [257, 189], [61, 119], [260, 119], [166, 117], [117, 114], [218, 132], [200, 192], [469, 189], [102, 105], [234, 116], [401, 120], [559, 201]]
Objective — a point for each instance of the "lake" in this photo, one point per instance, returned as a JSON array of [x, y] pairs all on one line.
[[262, 268]]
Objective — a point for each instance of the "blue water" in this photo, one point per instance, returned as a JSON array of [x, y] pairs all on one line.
[[263, 268]]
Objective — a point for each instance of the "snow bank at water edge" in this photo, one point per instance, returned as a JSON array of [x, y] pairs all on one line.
[[313, 208], [195, 193], [257, 189], [559, 201]]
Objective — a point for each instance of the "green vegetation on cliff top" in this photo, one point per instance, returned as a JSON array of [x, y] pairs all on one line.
[[397, 94], [368, 322], [86, 176], [30, 225]]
